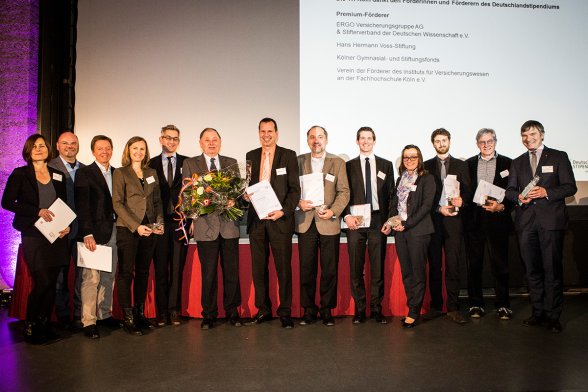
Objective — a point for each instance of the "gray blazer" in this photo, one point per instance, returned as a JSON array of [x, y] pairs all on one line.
[[132, 202], [208, 227], [57, 163]]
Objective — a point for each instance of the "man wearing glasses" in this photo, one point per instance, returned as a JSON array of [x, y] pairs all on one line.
[[170, 251], [488, 223]]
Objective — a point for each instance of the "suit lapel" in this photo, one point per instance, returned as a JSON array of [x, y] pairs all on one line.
[[100, 177], [201, 166], [276, 161], [307, 166]]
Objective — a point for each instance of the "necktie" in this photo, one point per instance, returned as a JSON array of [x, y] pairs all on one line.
[[533, 162], [368, 182], [170, 171], [212, 164], [265, 174], [443, 170]]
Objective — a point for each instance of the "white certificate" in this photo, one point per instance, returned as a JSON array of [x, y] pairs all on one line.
[[100, 259], [313, 188], [363, 210], [263, 198], [63, 217], [450, 189], [486, 189]]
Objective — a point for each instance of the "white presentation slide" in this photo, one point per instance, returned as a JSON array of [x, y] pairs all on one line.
[[408, 67]]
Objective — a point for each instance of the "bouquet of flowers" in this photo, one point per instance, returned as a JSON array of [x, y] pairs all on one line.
[[214, 192]]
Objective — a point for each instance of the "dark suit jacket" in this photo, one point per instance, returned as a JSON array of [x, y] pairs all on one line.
[[474, 214], [456, 167], [132, 202], [208, 227], [418, 205], [57, 164], [550, 213], [357, 189], [286, 186], [168, 193], [21, 196], [94, 204]]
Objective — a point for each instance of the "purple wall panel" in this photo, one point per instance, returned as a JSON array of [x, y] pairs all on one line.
[[19, 45]]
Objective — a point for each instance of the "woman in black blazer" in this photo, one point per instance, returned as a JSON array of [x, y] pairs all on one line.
[[410, 219], [30, 191], [136, 200]]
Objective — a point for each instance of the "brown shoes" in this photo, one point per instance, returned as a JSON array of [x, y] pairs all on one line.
[[456, 317]]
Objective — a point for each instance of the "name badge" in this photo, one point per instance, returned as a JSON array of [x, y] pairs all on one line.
[[546, 169], [150, 180], [281, 171], [57, 177], [381, 175], [181, 170], [413, 188], [330, 177], [504, 173]]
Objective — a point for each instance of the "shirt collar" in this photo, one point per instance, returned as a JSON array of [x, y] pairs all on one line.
[[164, 156], [370, 156], [67, 165], [102, 167], [491, 158]]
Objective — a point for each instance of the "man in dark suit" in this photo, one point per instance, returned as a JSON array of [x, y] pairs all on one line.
[[541, 220], [216, 237], [93, 192], [371, 181], [170, 251], [319, 227], [279, 166], [488, 223], [448, 234], [68, 147]]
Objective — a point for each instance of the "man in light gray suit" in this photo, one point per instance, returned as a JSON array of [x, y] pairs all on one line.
[[68, 147], [215, 236], [319, 227]]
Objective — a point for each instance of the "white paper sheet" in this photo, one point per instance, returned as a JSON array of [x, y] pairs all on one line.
[[63, 217], [263, 198], [100, 259], [486, 189], [313, 188], [360, 210], [450, 189]]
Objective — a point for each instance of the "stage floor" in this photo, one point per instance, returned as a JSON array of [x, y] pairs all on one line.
[[485, 355]]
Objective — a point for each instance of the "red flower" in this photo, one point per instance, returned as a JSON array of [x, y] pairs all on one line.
[[208, 189], [206, 202]]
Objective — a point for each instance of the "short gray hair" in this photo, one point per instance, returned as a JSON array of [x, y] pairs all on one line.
[[484, 131]]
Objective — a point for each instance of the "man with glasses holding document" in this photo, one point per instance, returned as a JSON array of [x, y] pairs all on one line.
[[325, 194], [277, 166], [93, 190]]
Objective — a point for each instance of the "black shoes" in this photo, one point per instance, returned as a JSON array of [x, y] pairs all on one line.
[[308, 318], [129, 324], [327, 317], [162, 320], [379, 317], [235, 320], [174, 318], [476, 312], [207, 323], [91, 332], [406, 325], [358, 318], [260, 318], [554, 326], [286, 322], [432, 314]]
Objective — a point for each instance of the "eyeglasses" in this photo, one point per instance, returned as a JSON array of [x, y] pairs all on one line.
[[412, 159], [73, 144], [171, 139], [486, 142]]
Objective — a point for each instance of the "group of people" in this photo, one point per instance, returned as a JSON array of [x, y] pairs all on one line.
[[131, 210]]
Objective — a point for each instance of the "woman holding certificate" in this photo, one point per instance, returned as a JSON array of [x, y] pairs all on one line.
[[410, 219], [30, 191], [137, 203]]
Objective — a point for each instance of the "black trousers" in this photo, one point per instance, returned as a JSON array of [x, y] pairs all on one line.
[[209, 253], [309, 244], [412, 254], [169, 259], [42, 297], [262, 236], [542, 252], [497, 243], [62, 289], [375, 241], [448, 236], [134, 258]]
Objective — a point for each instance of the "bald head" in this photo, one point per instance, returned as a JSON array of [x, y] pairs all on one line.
[[68, 146]]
